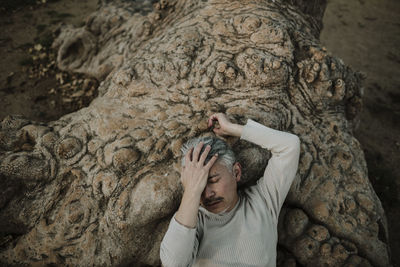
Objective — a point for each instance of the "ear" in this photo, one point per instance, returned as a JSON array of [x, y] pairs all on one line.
[[237, 171]]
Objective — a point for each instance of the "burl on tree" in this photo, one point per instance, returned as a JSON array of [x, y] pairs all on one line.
[[99, 186]]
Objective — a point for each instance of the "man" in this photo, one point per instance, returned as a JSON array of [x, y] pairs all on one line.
[[215, 224]]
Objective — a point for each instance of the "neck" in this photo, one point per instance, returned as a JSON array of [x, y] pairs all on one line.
[[235, 201]]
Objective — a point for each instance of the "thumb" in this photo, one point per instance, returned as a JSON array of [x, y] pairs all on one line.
[[217, 131]]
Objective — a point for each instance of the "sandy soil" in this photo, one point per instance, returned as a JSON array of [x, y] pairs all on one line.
[[365, 34], [24, 89]]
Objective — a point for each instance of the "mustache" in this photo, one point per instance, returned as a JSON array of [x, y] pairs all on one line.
[[211, 200]]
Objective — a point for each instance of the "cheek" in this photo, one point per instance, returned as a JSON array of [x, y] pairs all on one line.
[[232, 187], [226, 189]]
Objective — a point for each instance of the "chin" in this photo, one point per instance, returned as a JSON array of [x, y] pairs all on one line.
[[217, 209]]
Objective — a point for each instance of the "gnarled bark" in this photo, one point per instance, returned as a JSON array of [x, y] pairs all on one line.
[[98, 186]]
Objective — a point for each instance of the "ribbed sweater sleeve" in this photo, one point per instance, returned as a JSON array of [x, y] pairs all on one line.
[[179, 245], [246, 235], [282, 166]]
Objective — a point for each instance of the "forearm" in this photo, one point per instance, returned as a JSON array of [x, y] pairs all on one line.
[[236, 130], [188, 209], [179, 245], [284, 146], [278, 142], [282, 166]]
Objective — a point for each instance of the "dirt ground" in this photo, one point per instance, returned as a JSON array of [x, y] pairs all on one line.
[[30, 83], [365, 34]]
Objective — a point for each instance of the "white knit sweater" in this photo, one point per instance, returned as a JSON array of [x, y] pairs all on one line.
[[247, 234]]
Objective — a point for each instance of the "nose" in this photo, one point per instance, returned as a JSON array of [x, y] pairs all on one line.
[[208, 192]]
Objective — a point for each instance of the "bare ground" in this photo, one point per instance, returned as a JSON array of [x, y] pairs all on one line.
[[365, 34], [30, 83]]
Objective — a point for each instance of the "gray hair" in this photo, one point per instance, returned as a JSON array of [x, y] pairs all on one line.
[[225, 153]]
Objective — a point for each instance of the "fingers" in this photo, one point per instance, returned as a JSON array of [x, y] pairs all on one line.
[[200, 159], [218, 131], [221, 124], [196, 152], [214, 120], [211, 162], [204, 155], [188, 156], [193, 155], [215, 117], [211, 119]]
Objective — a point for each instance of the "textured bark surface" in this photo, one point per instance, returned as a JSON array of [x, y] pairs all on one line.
[[98, 186]]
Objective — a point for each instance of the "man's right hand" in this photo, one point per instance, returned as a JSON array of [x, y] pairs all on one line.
[[194, 177], [194, 174]]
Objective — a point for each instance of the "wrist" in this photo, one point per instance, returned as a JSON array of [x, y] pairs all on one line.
[[191, 195], [187, 212], [236, 130]]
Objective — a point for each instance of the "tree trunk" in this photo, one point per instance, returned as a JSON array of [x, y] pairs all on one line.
[[99, 186]]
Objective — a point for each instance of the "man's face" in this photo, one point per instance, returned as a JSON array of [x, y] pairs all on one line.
[[220, 193]]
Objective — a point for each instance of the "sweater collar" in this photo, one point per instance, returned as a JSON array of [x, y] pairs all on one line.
[[222, 216]]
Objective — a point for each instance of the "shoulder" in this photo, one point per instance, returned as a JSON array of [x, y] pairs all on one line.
[[253, 193], [255, 203]]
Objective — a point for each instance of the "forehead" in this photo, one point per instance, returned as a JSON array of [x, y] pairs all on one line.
[[218, 168]]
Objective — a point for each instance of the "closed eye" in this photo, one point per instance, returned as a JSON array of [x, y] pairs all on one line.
[[213, 180]]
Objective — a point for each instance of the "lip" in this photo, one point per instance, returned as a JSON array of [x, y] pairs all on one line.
[[213, 204]]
